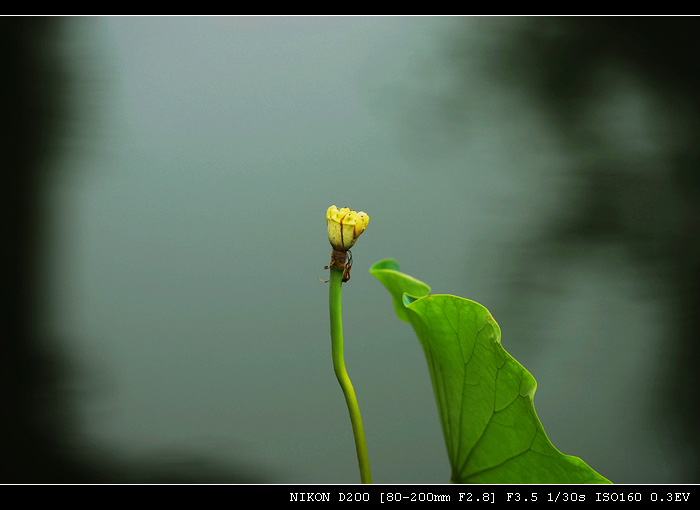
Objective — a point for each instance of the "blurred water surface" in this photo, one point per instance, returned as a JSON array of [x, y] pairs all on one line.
[[182, 208]]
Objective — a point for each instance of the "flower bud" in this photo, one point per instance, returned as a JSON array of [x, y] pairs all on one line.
[[345, 226]]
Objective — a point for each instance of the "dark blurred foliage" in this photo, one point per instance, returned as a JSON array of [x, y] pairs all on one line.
[[38, 429], [31, 406], [649, 209]]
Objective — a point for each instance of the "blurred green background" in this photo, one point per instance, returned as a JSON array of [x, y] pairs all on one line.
[[165, 189]]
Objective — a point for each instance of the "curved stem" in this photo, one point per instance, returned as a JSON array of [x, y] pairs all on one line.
[[342, 375]]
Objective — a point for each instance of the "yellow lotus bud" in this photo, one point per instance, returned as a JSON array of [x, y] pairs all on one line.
[[345, 226]]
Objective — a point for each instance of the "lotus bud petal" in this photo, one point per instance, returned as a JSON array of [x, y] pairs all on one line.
[[345, 226]]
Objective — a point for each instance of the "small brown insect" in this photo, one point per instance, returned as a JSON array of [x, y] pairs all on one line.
[[348, 265], [339, 259]]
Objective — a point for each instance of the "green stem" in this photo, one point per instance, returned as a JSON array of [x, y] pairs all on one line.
[[342, 375]]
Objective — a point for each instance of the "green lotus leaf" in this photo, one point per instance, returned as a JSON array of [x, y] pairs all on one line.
[[484, 396]]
